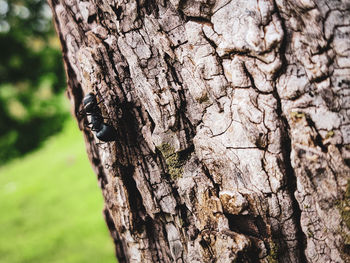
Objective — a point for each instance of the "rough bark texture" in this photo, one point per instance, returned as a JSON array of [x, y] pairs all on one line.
[[233, 120]]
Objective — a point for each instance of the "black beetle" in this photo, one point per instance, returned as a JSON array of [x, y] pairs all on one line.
[[103, 131]]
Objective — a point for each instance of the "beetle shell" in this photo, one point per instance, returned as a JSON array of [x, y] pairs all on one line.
[[90, 103], [107, 133]]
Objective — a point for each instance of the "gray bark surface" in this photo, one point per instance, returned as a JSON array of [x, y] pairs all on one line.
[[233, 124]]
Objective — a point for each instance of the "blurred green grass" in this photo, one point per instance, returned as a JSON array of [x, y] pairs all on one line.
[[51, 205]]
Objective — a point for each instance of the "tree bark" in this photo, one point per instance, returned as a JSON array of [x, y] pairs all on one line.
[[233, 125]]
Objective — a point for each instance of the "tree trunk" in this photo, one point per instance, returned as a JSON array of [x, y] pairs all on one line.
[[233, 125]]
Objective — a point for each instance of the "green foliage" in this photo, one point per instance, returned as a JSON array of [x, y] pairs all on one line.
[[31, 77], [51, 206]]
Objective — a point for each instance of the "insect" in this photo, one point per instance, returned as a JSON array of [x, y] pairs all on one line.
[[103, 131]]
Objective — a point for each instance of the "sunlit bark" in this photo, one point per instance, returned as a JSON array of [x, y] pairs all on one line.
[[233, 125]]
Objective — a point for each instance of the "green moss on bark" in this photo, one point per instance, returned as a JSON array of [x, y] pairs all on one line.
[[344, 209], [344, 206], [173, 160], [273, 256]]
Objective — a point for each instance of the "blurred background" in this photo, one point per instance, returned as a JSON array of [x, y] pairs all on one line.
[[50, 204]]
